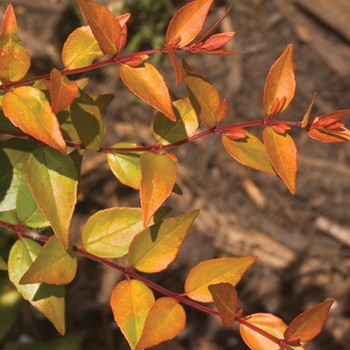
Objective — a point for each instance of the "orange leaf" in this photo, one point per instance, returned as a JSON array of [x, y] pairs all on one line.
[[28, 108], [282, 153], [179, 71], [309, 323], [148, 84], [215, 41], [304, 123], [104, 25], [280, 84], [62, 91], [158, 176], [165, 320], [188, 21], [226, 300], [14, 58]]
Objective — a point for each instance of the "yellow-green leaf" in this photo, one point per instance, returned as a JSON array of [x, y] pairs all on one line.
[[53, 181], [221, 270], [80, 49], [28, 108], [131, 301], [165, 320], [156, 246], [158, 176], [282, 153], [3, 265], [48, 299], [148, 84], [14, 58], [53, 265]]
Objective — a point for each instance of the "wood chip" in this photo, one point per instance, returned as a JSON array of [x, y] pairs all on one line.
[[329, 227]]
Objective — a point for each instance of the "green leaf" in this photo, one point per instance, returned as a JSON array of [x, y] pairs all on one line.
[[158, 176], [3, 265], [131, 301], [156, 246], [221, 270], [53, 181], [48, 299], [53, 265], [167, 131], [68, 130]]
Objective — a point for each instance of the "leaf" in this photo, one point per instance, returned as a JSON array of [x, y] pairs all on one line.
[[226, 299], [28, 108], [204, 96], [53, 181], [148, 84], [103, 23], [80, 49], [153, 249], [309, 323], [166, 131], [188, 21], [62, 91], [267, 322], [126, 165], [214, 271], [178, 70], [304, 123], [249, 151], [14, 58], [131, 301], [280, 83], [158, 176], [14, 154], [53, 265], [48, 299], [3, 265], [165, 320], [282, 153], [87, 120]]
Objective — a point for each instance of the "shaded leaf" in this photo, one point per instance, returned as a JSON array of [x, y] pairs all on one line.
[[226, 299], [53, 181], [214, 271], [14, 58], [3, 265], [28, 108], [166, 131], [188, 21], [309, 323], [249, 151], [178, 70], [131, 301], [221, 111], [165, 320], [282, 153], [53, 265], [280, 84], [153, 249], [158, 176], [48, 299], [80, 49], [148, 84]]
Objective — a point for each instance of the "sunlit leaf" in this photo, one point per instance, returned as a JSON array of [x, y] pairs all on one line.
[[14, 58], [28, 108], [221, 270], [53, 181], [165, 320], [131, 301], [249, 151], [304, 123], [103, 23], [167, 131], [158, 176], [282, 153], [221, 111], [188, 21], [53, 265], [309, 323], [62, 91], [80, 49], [156, 246], [148, 84], [280, 83], [226, 299], [48, 299], [178, 70], [204, 96]]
